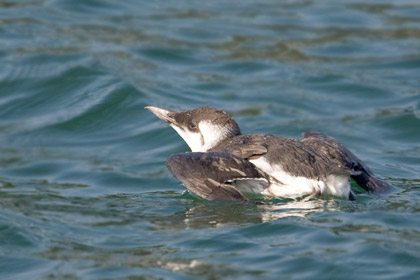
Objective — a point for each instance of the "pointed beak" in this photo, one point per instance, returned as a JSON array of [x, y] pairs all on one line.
[[162, 114]]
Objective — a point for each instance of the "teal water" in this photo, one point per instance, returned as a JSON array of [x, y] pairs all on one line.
[[84, 191]]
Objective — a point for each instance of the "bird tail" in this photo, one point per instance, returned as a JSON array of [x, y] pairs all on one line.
[[368, 181], [361, 174]]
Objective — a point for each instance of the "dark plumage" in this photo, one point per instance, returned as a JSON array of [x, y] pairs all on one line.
[[328, 147], [193, 170], [296, 157], [227, 165]]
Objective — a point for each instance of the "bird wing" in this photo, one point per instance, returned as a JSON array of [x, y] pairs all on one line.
[[291, 155], [243, 146], [328, 146], [218, 176], [248, 151]]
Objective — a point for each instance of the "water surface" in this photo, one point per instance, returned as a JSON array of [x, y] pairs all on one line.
[[84, 191]]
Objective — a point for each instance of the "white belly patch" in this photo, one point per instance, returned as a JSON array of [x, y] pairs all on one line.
[[286, 185]]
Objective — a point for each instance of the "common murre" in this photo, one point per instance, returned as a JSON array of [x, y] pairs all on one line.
[[224, 164]]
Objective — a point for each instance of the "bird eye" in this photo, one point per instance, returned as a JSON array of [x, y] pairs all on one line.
[[192, 126]]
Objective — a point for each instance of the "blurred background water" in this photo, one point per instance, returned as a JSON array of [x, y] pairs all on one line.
[[84, 191]]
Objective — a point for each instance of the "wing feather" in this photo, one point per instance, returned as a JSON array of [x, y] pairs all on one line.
[[212, 175], [328, 146]]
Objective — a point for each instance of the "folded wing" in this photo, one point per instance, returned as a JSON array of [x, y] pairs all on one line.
[[217, 176], [328, 146]]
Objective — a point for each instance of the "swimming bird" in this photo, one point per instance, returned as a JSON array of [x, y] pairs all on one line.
[[226, 165]]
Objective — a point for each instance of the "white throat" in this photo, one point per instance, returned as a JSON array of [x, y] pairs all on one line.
[[212, 134], [208, 136]]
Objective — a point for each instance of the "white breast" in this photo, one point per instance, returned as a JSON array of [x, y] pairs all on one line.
[[287, 185]]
